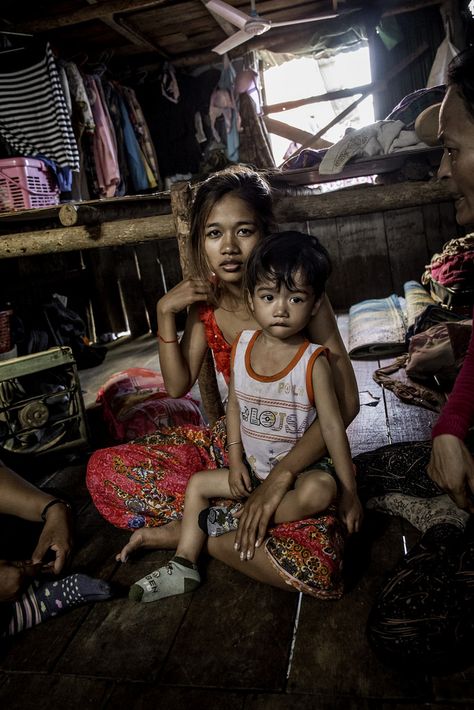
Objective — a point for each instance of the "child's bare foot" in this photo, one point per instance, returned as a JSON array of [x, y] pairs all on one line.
[[165, 537]]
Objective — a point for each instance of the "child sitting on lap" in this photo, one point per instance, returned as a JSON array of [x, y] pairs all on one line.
[[280, 382]]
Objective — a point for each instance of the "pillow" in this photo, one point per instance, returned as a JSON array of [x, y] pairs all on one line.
[[135, 403]]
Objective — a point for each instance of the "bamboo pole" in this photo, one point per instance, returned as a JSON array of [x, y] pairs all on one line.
[[181, 200], [119, 233]]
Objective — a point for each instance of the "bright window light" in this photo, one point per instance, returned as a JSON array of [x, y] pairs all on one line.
[[305, 77]]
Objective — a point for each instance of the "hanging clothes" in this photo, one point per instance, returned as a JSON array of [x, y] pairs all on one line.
[[103, 142], [142, 131], [135, 160], [34, 117], [223, 102]]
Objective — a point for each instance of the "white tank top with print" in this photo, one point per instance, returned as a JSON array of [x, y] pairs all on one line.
[[275, 410]]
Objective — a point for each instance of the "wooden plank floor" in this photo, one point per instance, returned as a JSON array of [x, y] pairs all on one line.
[[233, 643]]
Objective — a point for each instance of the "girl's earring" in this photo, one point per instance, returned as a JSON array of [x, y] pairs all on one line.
[[214, 279]]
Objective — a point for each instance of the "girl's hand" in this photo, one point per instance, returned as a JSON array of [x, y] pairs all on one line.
[[350, 511], [257, 512], [239, 481], [183, 295], [451, 467]]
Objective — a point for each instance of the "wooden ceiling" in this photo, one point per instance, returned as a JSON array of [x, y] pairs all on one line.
[[139, 32]]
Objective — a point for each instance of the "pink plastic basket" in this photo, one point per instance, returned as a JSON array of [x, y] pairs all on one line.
[[26, 183]]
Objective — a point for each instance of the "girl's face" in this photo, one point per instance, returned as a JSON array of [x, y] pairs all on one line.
[[230, 233], [457, 165]]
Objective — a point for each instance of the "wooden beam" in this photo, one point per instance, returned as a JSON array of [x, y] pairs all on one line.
[[291, 133], [362, 199], [329, 96], [118, 233], [108, 8], [400, 9], [288, 208]]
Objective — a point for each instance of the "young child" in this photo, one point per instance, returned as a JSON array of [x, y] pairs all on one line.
[[280, 382]]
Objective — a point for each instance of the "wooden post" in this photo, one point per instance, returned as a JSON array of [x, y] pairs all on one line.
[[181, 200]]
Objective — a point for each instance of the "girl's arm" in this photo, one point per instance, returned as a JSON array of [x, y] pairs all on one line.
[[324, 331], [180, 361]]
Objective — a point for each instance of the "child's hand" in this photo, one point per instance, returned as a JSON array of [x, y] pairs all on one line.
[[350, 510], [239, 481]]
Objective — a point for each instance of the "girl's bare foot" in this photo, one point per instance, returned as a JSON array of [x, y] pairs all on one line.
[[165, 537]]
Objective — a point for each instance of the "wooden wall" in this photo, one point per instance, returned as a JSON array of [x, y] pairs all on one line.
[[374, 254], [115, 288]]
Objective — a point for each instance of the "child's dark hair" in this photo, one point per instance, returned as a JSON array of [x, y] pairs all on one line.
[[237, 180], [280, 256]]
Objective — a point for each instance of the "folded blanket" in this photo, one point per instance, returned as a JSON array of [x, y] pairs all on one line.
[[378, 326]]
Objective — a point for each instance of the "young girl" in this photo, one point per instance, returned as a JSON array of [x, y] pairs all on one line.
[[280, 382], [142, 484]]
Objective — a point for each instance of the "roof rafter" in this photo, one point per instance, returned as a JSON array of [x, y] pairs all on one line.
[[91, 12]]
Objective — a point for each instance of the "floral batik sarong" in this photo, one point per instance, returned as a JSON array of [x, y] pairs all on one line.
[[143, 484]]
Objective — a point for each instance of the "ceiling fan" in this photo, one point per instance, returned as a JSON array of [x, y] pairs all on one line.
[[251, 25]]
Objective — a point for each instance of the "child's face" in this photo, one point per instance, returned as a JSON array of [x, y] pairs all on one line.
[[230, 233], [280, 312]]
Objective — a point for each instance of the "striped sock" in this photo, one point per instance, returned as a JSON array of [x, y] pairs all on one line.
[[43, 601]]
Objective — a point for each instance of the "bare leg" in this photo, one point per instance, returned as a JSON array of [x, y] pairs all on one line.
[[259, 567], [165, 537], [200, 488], [314, 491]]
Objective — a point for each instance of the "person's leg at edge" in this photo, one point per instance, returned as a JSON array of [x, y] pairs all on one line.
[[44, 600], [421, 614]]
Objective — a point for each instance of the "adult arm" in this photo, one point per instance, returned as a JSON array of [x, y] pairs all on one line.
[[324, 331], [451, 465], [334, 433], [180, 361], [20, 498], [239, 479], [262, 503]]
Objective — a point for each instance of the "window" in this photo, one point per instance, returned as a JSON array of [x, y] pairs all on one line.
[[304, 77]]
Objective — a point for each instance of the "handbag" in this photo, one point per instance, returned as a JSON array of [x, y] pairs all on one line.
[[431, 365]]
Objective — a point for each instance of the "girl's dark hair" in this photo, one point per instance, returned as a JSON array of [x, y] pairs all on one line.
[[461, 75], [240, 181], [279, 257]]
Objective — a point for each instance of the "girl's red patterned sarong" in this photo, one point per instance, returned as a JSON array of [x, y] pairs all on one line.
[[143, 483]]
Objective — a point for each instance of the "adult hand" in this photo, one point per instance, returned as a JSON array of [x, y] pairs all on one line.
[[451, 466], [257, 512], [14, 577], [183, 295], [55, 536]]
